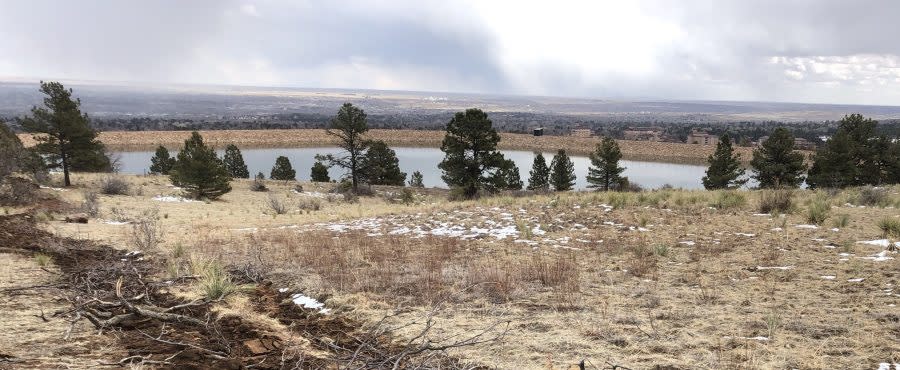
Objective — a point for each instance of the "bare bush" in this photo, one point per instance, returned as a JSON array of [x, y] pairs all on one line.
[[276, 205], [145, 231], [309, 204], [778, 200], [91, 203], [872, 196], [113, 185]]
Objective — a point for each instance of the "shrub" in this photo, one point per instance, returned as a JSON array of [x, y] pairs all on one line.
[[818, 211], [145, 232], [841, 220], [276, 205], [777, 200], [42, 260], [729, 200], [309, 204], [113, 185], [214, 280], [18, 190], [258, 183], [618, 200], [90, 205], [872, 196], [407, 197], [890, 227]]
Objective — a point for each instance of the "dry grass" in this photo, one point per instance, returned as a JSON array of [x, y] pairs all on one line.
[[637, 279]]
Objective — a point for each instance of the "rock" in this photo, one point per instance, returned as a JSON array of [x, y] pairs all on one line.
[[77, 218], [262, 346]]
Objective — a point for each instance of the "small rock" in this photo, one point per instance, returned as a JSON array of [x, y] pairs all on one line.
[[77, 218]]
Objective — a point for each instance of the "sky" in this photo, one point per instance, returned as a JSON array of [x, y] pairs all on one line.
[[813, 51]]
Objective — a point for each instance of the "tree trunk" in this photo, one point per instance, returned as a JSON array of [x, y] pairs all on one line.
[[65, 165]]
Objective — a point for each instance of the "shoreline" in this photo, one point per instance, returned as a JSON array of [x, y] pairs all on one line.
[[300, 138]]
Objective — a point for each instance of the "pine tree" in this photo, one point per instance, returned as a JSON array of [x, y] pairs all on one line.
[[833, 164], [348, 126], [64, 135], [512, 178], [234, 162], [724, 170], [161, 163], [14, 157], [319, 172], [605, 173], [562, 172], [471, 158], [283, 170], [416, 180], [199, 171], [380, 166], [539, 178], [776, 164]]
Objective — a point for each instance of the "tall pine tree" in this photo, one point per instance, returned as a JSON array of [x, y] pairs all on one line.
[[833, 164], [161, 163], [605, 173], [64, 135], [234, 162], [471, 158], [539, 176], [562, 172], [282, 170], [380, 166], [776, 164], [348, 126], [199, 171], [724, 170], [512, 178]]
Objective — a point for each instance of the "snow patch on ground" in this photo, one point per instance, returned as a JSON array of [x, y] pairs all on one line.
[[880, 256], [172, 199], [828, 277], [687, 242], [879, 242], [806, 226], [759, 338], [54, 189], [774, 267], [114, 222], [745, 234], [309, 302]]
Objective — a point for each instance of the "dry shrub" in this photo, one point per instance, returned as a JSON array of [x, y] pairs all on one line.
[[494, 279], [776, 200], [642, 261], [729, 199], [559, 272], [872, 196], [91, 204], [309, 204], [276, 205], [145, 232], [18, 190], [113, 185]]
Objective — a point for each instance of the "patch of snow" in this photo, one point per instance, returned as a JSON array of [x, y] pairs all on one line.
[[308, 302], [774, 267], [687, 242], [835, 229], [54, 189], [247, 229], [167, 198], [282, 290], [777, 229], [828, 277], [762, 214], [759, 338], [113, 222], [855, 280], [879, 257], [879, 242], [887, 366], [745, 234], [806, 226]]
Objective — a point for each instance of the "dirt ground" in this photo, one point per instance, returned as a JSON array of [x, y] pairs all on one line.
[[635, 150], [662, 279]]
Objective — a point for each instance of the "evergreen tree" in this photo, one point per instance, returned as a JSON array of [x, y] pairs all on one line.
[[234, 162], [14, 157], [348, 126], [319, 172], [892, 163], [605, 173], [833, 164], [562, 172], [776, 164], [724, 170], [380, 166], [283, 170], [199, 171], [864, 149], [416, 180], [512, 178], [161, 163], [64, 135], [539, 178], [471, 158]]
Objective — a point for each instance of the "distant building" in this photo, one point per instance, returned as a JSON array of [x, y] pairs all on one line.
[[702, 138], [538, 131], [643, 134], [581, 132]]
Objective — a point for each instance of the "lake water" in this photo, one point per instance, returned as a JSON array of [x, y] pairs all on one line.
[[425, 160]]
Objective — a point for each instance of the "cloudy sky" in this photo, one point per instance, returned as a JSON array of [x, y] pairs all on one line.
[[821, 51]]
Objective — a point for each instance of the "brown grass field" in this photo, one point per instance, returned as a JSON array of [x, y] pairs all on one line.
[[667, 279], [635, 150]]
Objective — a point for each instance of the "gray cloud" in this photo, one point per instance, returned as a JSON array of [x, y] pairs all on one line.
[[802, 50]]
